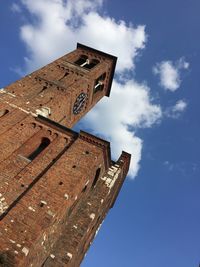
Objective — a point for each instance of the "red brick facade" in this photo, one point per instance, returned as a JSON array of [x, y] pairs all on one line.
[[56, 185]]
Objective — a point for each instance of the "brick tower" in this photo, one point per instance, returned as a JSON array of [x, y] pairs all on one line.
[[56, 185]]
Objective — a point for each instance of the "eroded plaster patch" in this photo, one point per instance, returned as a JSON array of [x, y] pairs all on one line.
[[69, 255], [92, 216], [3, 205], [44, 111], [25, 251]]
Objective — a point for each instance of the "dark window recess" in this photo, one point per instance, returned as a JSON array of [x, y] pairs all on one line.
[[44, 143], [99, 83], [92, 64], [3, 112], [96, 177], [82, 60]]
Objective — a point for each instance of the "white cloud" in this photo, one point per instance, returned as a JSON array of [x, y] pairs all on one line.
[[176, 110], [180, 106], [170, 72], [61, 25], [57, 27], [128, 106]]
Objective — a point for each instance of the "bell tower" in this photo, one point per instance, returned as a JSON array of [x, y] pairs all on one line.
[[56, 185], [66, 89]]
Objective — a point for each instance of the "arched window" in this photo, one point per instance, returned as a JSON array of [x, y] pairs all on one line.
[[82, 61], [96, 177], [3, 112], [99, 83], [92, 64], [43, 144]]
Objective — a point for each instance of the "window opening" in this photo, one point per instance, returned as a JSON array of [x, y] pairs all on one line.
[[85, 64], [98, 86], [82, 61], [99, 83], [92, 64], [44, 143], [96, 177]]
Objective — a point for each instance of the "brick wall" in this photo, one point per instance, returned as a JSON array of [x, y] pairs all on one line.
[[56, 185]]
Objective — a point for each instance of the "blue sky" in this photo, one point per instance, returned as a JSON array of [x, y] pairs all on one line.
[[156, 219]]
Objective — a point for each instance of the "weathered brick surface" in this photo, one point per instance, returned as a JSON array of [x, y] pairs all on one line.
[[56, 185], [83, 225]]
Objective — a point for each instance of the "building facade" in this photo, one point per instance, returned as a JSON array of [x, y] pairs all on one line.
[[56, 185]]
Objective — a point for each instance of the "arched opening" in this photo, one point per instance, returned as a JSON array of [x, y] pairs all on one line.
[[3, 112], [92, 64], [96, 177], [82, 61], [43, 144], [99, 83]]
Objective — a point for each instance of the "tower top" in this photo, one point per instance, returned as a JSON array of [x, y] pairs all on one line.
[[67, 88], [113, 58]]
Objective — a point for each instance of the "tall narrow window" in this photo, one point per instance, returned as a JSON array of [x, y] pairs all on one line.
[[3, 112], [96, 177], [44, 143], [99, 83]]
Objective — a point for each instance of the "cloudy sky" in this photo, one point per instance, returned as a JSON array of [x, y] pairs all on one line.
[[152, 113]]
